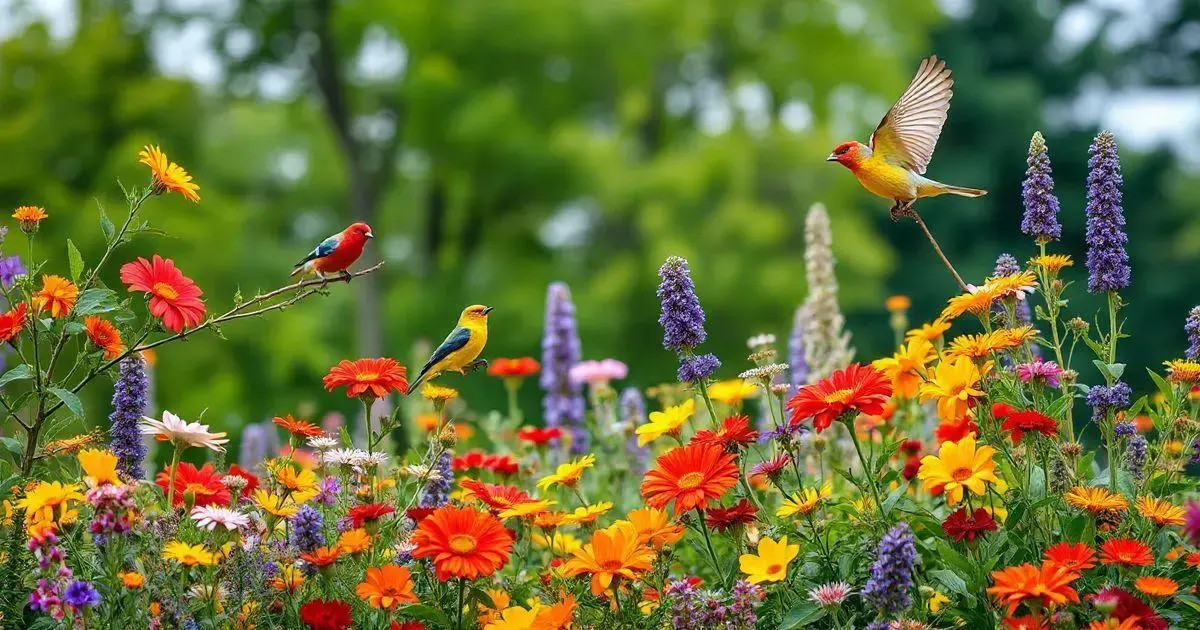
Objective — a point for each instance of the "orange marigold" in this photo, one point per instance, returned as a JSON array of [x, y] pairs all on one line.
[[1155, 586], [463, 542], [57, 296], [387, 586], [104, 335], [691, 476], [1126, 552], [1077, 557], [29, 217], [298, 428], [612, 553], [1050, 585]]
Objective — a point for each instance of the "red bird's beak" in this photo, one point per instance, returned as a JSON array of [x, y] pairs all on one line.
[[832, 157], [370, 235]]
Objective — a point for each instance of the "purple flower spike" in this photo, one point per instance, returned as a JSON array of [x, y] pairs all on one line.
[[130, 402], [888, 588], [1192, 328], [1037, 193], [1107, 260], [563, 404], [682, 318]]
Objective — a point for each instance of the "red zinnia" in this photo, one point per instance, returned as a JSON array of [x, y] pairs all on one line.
[[692, 476], [251, 480], [1125, 605], [369, 513], [734, 433], [513, 368], [1018, 423], [174, 298], [418, 514], [407, 625], [199, 487], [1001, 410], [463, 542], [722, 519], [1077, 557], [538, 436], [1126, 552], [322, 614], [369, 378], [961, 525], [498, 464], [12, 321], [856, 389], [955, 431], [298, 428]]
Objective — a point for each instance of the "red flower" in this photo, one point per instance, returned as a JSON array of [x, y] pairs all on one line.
[[462, 542], [514, 368], [910, 447], [691, 476], [955, 431], [298, 428], [199, 487], [538, 436], [1124, 605], [369, 378], [856, 389], [1076, 557], [418, 514], [104, 335], [960, 524], [498, 464], [1018, 423], [496, 497], [734, 433], [369, 513], [322, 614], [11, 322], [1001, 410], [1126, 552], [912, 466], [407, 625], [174, 298], [251, 480], [771, 468], [723, 519]]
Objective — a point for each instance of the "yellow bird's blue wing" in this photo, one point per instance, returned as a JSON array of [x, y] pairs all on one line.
[[455, 341]]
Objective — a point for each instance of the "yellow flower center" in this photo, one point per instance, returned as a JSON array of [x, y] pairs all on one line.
[[462, 544], [165, 291], [366, 377], [839, 396], [195, 489], [962, 473], [690, 480]]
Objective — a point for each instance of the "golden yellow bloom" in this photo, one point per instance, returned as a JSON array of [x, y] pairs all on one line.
[[1014, 337], [667, 422], [959, 465], [1181, 371], [188, 555], [930, 332], [67, 446], [354, 541], [1172, 447], [274, 504], [896, 303], [56, 297], [40, 501], [954, 385], [770, 563], [99, 467], [587, 513], [732, 392], [654, 527], [288, 579], [1052, 263], [437, 393], [1009, 286], [559, 542], [300, 483], [131, 579], [527, 509], [977, 302], [29, 217], [567, 474], [166, 175], [906, 366], [936, 601], [803, 501], [1159, 512], [546, 521], [981, 345], [1095, 499], [612, 554]]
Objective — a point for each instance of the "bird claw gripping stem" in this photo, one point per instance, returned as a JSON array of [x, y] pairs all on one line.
[[475, 366], [901, 210]]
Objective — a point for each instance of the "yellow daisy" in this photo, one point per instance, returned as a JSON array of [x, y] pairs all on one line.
[[567, 474], [1052, 263], [770, 563], [1095, 499], [667, 422], [958, 466], [732, 392], [954, 386], [1159, 512], [167, 176], [587, 513], [188, 555], [804, 501]]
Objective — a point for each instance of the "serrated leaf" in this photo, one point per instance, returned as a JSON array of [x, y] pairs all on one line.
[[803, 615], [951, 580], [75, 259], [97, 300], [71, 401], [19, 373]]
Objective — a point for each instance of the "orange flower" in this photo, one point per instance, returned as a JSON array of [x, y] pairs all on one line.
[[174, 298], [1155, 586], [1112, 623], [104, 335], [298, 428], [1125, 552], [1050, 585], [322, 556], [1192, 560], [613, 553], [387, 586], [29, 217], [369, 378], [1076, 557], [354, 541], [166, 175], [463, 542], [513, 368], [497, 497], [57, 296], [1159, 512], [692, 476], [11, 322]]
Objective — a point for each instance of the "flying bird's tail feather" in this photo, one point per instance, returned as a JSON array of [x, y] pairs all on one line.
[[963, 191]]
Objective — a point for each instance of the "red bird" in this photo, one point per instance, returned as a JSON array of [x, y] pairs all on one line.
[[336, 253]]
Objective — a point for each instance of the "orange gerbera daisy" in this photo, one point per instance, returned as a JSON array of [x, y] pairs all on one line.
[[1159, 512], [1155, 586], [497, 497], [613, 553], [856, 389], [298, 428], [354, 541], [368, 378], [168, 176], [1126, 552], [322, 556], [174, 298], [1095, 499], [57, 296], [1050, 585], [104, 335], [692, 476], [29, 217], [463, 542], [514, 368], [1077, 557], [387, 586], [654, 527], [12, 322]]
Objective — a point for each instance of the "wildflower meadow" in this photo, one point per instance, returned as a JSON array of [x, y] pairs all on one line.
[[996, 470]]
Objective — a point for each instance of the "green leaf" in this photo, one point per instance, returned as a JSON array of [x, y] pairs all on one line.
[[97, 300], [805, 614], [106, 225], [75, 259], [73, 328], [1111, 371], [951, 580], [428, 614], [71, 401], [1163, 385], [1058, 408], [19, 373], [12, 445]]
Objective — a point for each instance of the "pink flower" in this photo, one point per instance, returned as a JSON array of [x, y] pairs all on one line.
[[597, 372], [1039, 369], [830, 594]]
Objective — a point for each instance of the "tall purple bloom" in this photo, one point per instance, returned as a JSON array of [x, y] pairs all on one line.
[[632, 409], [306, 526], [1037, 193], [1107, 260], [1192, 328], [797, 357], [1105, 398], [437, 489], [81, 594], [694, 369], [129, 401], [888, 588], [1006, 265], [563, 404], [1135, 458], [682, 318]]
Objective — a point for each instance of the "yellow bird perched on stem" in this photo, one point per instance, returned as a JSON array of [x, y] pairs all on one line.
[[893, 164], [460, 351]]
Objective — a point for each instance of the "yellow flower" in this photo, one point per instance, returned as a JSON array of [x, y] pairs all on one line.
[[666, 422], [1180, 371], [560, 542], [300, 483], [906, 366], [528, 508], [437, 393], [897, 303], [188, 555], [959, 465], [288, 579], [1172, 447], [131, 579], [1013, 337], [67, 446], [771, 562], [936, 601], [732, 392], [40, 501], [354, 541], [654, 527], [588, 513], [166, 175], [29, 217], [1013, 285], [804, 501], [954, 384], [977, 302], [274, 504], [1095, 499], [567, 474], [99, 467], [930, 332], [1159, 512], [515, 618], [1052, 263]]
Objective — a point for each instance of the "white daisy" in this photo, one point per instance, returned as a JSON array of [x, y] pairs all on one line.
[[179, 432], [209, 517], [323, 442]]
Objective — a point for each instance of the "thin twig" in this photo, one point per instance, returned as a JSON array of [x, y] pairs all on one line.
[[937, 248]]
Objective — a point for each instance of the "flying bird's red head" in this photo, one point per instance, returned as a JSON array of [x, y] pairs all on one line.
[[849, 154], [358, 233]]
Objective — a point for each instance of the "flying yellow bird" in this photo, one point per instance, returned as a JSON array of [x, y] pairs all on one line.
[[893, 165], [460, 351]]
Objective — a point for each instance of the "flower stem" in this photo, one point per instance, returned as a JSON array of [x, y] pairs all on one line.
[[1112, 327], [712, 412], [866, 470], [174, 471], [462, 586], [708, 543]]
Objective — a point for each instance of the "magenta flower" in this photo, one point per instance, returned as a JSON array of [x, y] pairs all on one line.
[[1046, 371]]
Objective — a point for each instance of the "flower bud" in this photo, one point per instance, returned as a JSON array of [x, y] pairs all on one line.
[[448, 437]]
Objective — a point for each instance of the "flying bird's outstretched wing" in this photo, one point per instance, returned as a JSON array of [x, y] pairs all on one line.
[[909, 131]]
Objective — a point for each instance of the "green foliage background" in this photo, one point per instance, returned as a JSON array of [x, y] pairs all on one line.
[[511, 120]]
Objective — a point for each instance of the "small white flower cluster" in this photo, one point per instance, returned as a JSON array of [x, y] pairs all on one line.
[[353, 457]]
